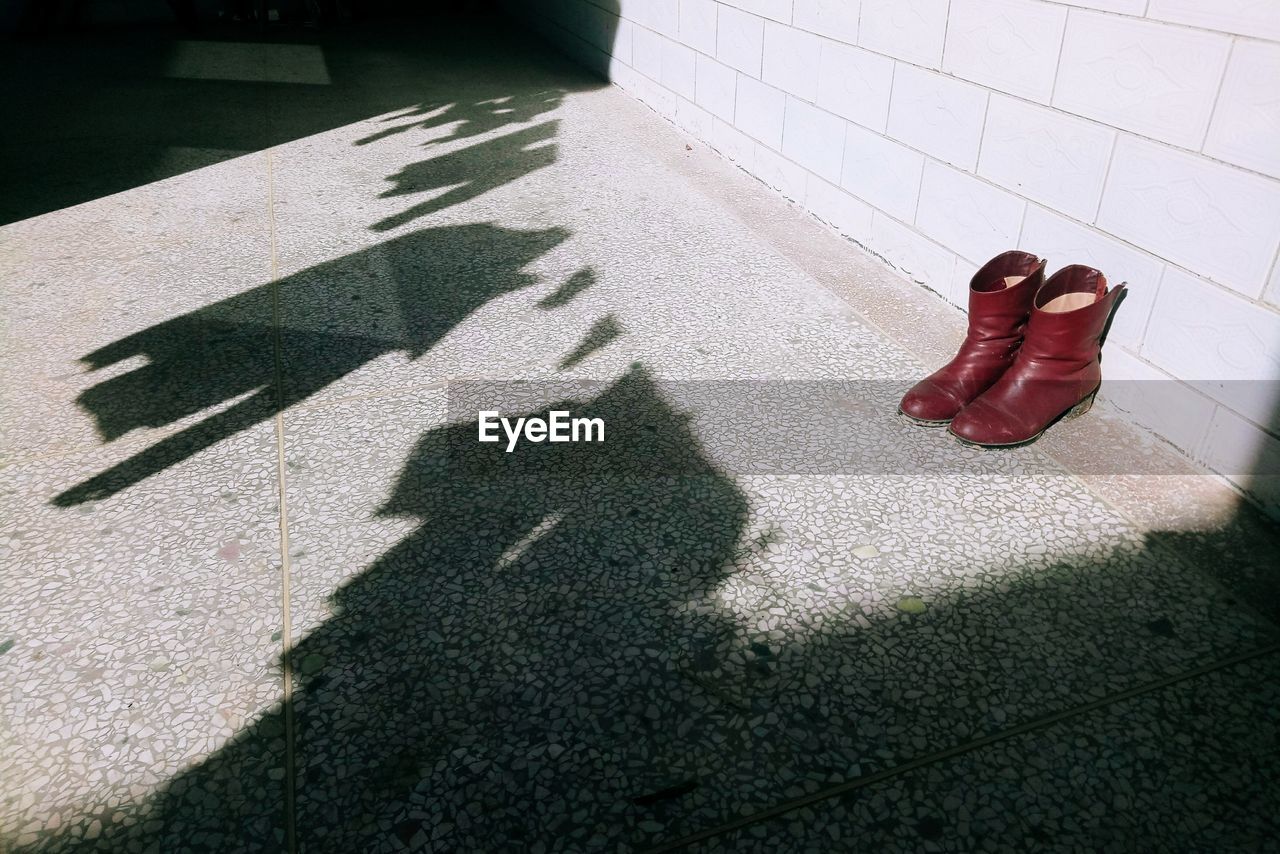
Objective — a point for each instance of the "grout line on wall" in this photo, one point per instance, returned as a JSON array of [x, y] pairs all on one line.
[[982, 137], [1217, 97], [1057, 66], [1146, 324], [1022, 221], [946, 29], [1106, 176]]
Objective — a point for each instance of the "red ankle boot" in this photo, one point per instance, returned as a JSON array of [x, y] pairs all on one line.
[[1057, 370], [1000, 296]]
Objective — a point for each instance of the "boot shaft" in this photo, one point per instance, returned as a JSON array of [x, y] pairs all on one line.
[[1001, 295], [1068, 319]]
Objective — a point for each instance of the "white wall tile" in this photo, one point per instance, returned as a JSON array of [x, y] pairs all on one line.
[[698, 25], [661, 99], [661, 16], [777, 10], [760, 110], [1247, 456], [740, 40], [716, 87], [919, 259], [958, 293], [1246, 125], [835, 19], [734, 144], [1154, 79], [855, 83], [849, 216], [780, 173], [1214, 219], [791, 60], [967, 215], [1011, 45], [1124, 7], [646, 51], [1153, 399], [882, 172], [813, 138], [908, 29], [1227, 347], [624, 76], [1061, 242], [693, 119], [1258, 18], [1045, 155], [937, 114], [666, 19], [678, 69]]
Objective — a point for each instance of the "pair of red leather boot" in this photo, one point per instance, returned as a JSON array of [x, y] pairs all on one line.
[[1031, 356]]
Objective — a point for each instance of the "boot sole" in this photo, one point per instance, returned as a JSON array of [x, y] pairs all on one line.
[[1073, 412], [921, 422]]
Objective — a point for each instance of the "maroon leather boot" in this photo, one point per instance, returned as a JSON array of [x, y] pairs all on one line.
[[1057, 370], [1000, 296]]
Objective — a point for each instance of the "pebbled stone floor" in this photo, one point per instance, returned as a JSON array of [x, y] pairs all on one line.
[[264, 591]]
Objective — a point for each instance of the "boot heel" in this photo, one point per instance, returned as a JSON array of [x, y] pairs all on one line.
[[1082, 407]]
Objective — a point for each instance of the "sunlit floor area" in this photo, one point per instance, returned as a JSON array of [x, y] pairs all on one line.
[[263, 590]]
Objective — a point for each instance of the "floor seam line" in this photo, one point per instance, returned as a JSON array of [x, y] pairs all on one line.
[[1033, 725], [286, 624]]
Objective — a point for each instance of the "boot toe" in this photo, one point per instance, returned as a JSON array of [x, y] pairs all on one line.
[[926, 402], [983, 425]]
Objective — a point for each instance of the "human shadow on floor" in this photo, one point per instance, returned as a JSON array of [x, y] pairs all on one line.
[[402, 295], [509, 659], [554, 658]]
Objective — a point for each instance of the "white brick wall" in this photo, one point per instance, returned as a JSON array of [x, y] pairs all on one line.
[[1156, 80], [911, 30], [855, 84], [1010, 45], [882, 172], [937, 114], [1139, 136], [813, 138], [740, 40], [966, 214]]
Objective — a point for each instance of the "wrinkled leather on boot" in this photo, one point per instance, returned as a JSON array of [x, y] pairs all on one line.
[[999, 304], [1058, 367]]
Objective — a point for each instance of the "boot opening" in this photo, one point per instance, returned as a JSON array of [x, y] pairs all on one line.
[[1005, 271], [1072, 288], [1069, 302]]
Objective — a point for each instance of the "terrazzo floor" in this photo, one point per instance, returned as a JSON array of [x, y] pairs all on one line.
[[263, 591]]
